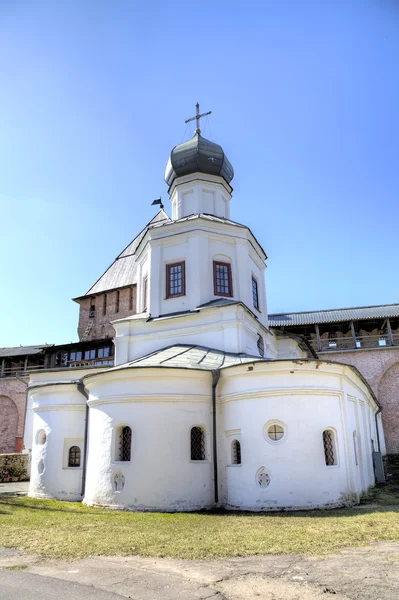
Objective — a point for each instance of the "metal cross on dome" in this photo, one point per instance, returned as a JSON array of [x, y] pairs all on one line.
[[198, 117]]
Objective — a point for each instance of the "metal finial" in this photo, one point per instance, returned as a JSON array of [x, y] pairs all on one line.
[[157, 201], [198, 117]]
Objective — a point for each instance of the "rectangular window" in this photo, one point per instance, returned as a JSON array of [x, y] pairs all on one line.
[[92, 312], [103, 352], [105, 305], [133, 299], [176, 280], [255, 296], [145, 294], [117, 301], [222, 283], [89, 354]]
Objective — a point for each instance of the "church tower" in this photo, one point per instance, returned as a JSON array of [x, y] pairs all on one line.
[[198, 174], [199, 275]]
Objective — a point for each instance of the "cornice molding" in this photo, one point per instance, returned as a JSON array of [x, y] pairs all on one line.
[[273, 392], [58, 407], [150, 398]]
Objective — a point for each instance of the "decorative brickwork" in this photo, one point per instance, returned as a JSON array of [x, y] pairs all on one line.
[[12, 414], [13, 467], [108, 307], [380, 367]]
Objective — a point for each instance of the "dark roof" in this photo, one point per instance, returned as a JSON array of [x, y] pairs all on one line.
[[23, 350], [198, 155], [188, 356], [334, 315], [122, 272]]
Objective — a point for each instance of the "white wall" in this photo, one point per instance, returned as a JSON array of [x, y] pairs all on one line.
[[306, 398], [43, 377], [59, 410], [198, 243], [202, 194], [227, 328], [160, 406]]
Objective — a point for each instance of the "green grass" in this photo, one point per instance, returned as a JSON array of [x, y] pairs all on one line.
[[71, 530]]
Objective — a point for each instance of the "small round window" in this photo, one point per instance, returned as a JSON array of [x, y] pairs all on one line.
[[275, 432]]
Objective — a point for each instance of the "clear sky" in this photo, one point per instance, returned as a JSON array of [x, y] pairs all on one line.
[[94, 94]]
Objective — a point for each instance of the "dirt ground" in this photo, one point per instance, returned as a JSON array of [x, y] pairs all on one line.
[[365, 573]]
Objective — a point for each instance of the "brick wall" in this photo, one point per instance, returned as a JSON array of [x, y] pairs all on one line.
[[380, 367], [12, 414], [107, 308], [13, 467]]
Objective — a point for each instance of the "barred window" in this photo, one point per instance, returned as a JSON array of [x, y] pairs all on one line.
[[74, 456], [255, 296], [197, 443], [235, 452], [222, 281], [329, 448], [125, 443], [175, 280]]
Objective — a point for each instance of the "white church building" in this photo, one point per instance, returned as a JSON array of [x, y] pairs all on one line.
[[206, 406]]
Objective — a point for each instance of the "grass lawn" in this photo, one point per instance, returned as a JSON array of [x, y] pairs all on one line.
[[71, 530]]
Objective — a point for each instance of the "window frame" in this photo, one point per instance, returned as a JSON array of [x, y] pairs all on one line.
[[334, 443], [235, 448], [272, 423], [74, 447], [255, 281], [203, 443], [169, 266], [217, 263], [118, 440]]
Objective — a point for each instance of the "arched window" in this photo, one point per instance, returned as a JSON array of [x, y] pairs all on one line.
[[74, 456], [329, 448], [235, 452], [197, 443], [125, 443]]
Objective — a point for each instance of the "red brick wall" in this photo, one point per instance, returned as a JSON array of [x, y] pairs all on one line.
[[102, 327], [12, 414], [380, 367]]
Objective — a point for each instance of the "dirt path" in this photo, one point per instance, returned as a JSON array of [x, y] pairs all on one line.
[[365, 573]]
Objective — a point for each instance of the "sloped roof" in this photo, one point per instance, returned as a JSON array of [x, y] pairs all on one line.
[[23, 350], [188, 356], [334, 315], [122, 271]]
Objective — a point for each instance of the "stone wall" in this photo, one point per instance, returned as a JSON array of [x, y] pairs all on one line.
[[13, 467], [12, 414], [380, 368], [106, 310]]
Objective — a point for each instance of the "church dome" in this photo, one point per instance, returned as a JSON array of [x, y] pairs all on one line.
[[198, 155]]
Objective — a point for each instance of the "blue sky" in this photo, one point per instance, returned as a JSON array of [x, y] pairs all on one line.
[[94, 95]]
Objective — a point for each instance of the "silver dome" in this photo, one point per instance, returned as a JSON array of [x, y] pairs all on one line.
[[198, 155]]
